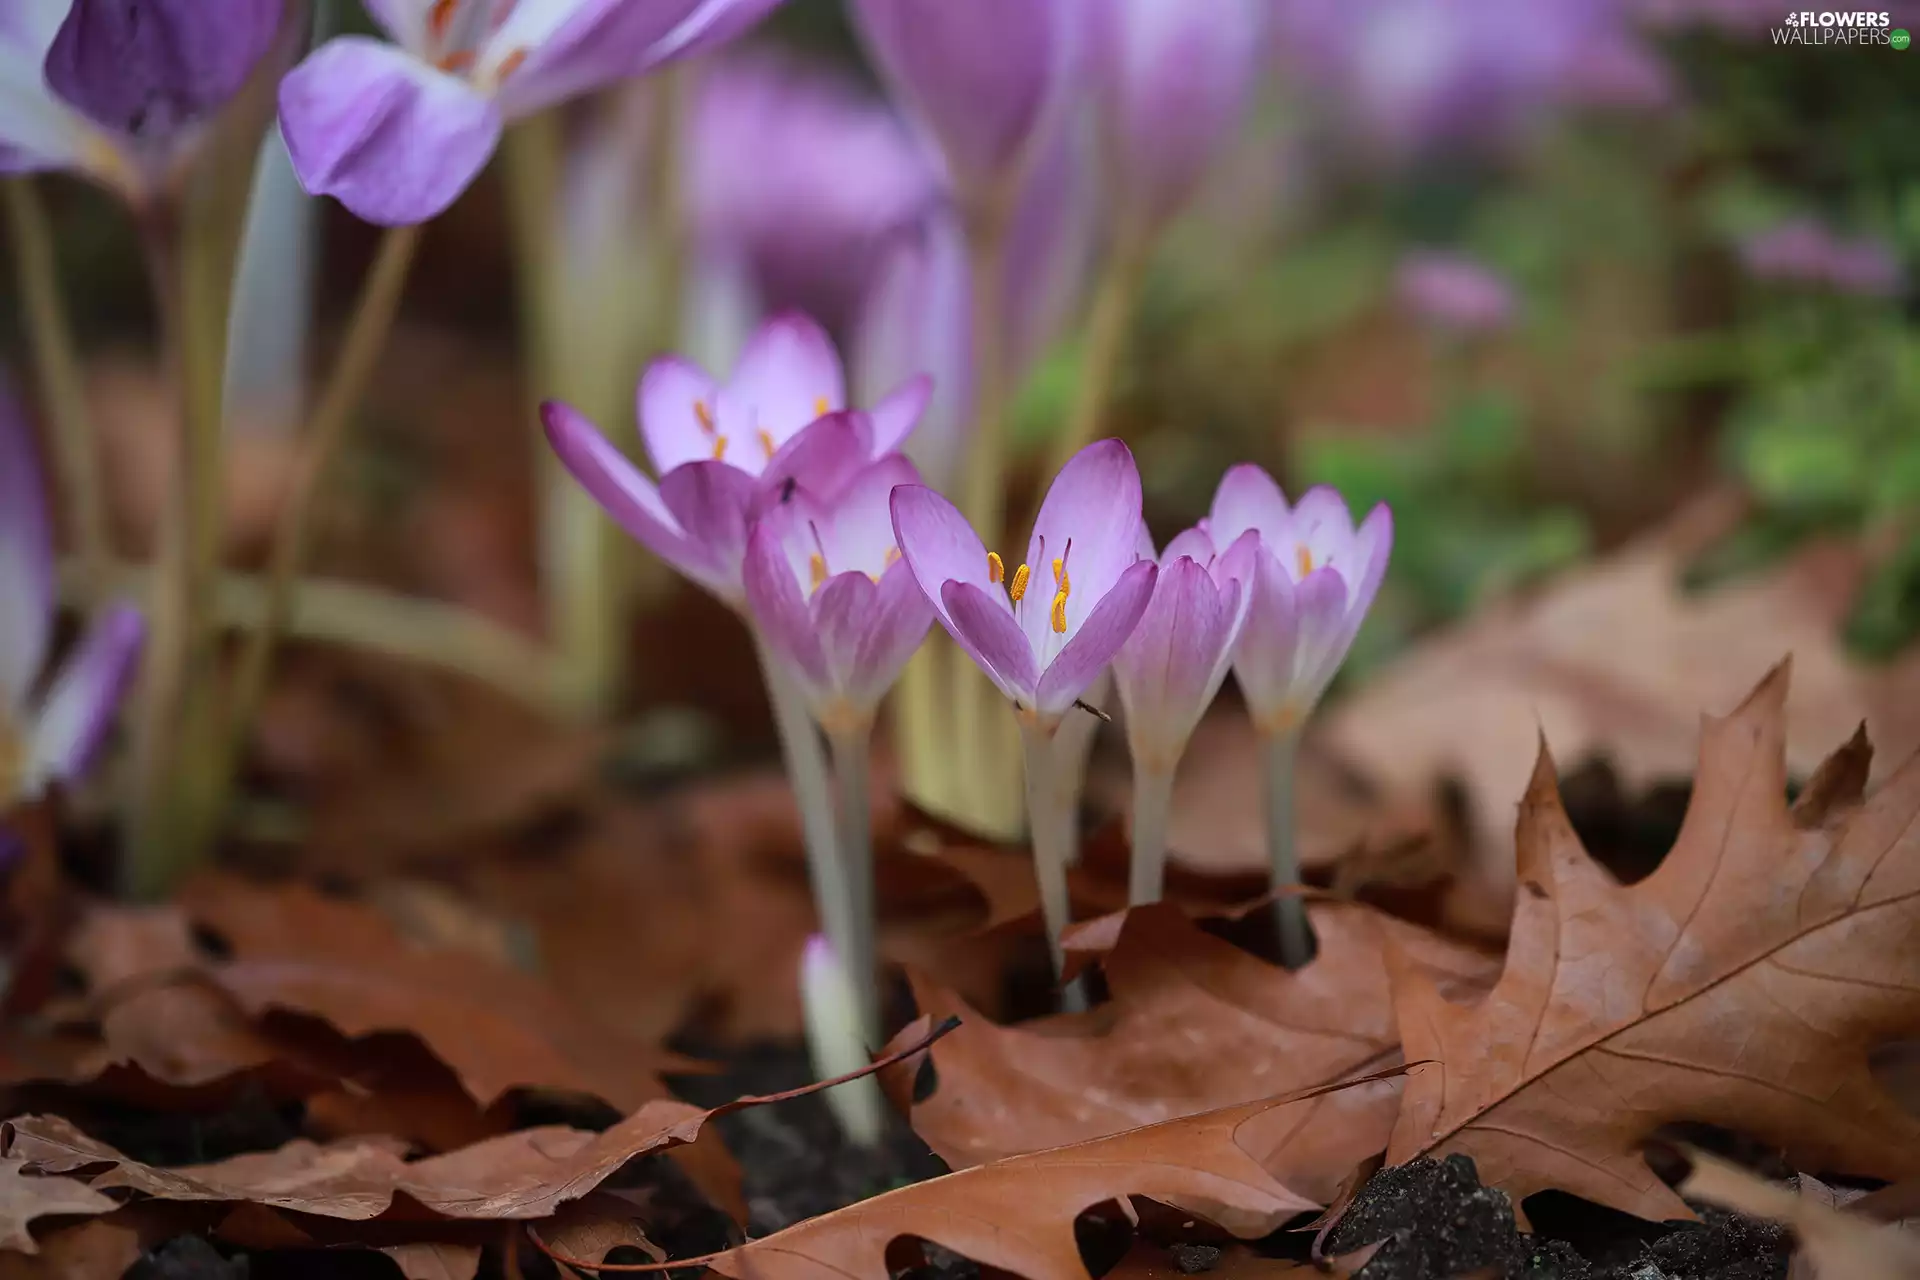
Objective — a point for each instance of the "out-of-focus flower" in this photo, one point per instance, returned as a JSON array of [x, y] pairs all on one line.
[[828, 588], [120, 91], [1313, 581], [802, 178], [1177, 658], [1735, 17], [1454, 292], [725, 452], [1045, 631], [1805, 251], [983, 78], [1415, 72], [52, 739], [397, 131], [1174, 80]]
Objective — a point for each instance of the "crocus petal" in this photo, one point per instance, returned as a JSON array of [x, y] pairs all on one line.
[[674, 393], [823, 458], [1195, 543], [1170, 667], [788, 376], [1270, 640], [1327, 628], [858, 533], [984, 627], [1095, 502], [382, 132], [627, 495], [575, 46], [37, 129], [1322, 523], [939, 545], [713, 23], [150, 68], [1096, 641], [840, 610], [713, 502], [1247, 499], [915, 319], [1372, 546], [780, 611], [404, 20], [26, 558], [80, 705], [897, 413], [896, 624]]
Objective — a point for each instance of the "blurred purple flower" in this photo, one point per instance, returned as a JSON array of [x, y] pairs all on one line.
[[1411, 73], [118, 89], [800, 178], [982, 77], [1174, 79], [52, 739], [725, 452], [828, 589], [1313, 581], [1805, 251], [1044, 632], [1454, 292], [397, 131]]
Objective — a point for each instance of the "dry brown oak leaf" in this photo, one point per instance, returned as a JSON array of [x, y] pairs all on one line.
[[1194, 1023], [25, 1196], [1018, 1214], [1743, 984]]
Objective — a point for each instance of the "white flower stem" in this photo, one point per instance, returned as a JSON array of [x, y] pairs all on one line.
[[1051, 835], [1152, 804], [851, 746], [834, 894], [1280, 752]]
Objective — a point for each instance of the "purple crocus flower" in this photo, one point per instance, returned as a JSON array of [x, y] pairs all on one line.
[[54, 738], [397, 131], [1805, 251], [982, 78], [1045, 631], [1313, 580], [829, 590], [1174, 80], [727, 451], [119, 89], [1453, 292]]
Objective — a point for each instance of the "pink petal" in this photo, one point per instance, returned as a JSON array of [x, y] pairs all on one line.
[[898, 413], [824, 457], [673, 394], [1270, 639], [26, 558], [1247, 499], [1322, 524], [840, 611], [713, 502], [858, 533], [79, 707], [979, 620], [1175, 660], [1327, 629], [1095, 502], [1098, 638], [1195, 543], [780, 612], [939, 547], [788, 376], [1372, 546], [895, 627]]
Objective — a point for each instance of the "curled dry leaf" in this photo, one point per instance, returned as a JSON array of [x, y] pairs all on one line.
[[1017, 1214], [1743, 984], [1194, 1024], [1840, 1246], [25, 1196]]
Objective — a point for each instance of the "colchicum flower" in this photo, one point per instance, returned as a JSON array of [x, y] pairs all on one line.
[[52, 739], [397, 131], [117, 91], [726, 452], [827, 586], [1454, 293], [1808, 252]]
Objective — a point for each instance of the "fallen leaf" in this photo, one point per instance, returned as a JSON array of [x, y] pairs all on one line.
[[435, 1260], [100, 1248], [1017, 1214], [1840, 1246], [26, 1196], [1194, 1024], [1744, 984]]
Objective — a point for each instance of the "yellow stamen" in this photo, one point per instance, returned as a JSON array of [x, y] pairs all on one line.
[[1059, 570], [817, 569], [456, 62], [440, 17], [704, 414], [820, 407], [510, 64], [996, 567], [1304, 558], [719, 448], [893, 553], [1019, 587], [766, 442], [1060, 614]]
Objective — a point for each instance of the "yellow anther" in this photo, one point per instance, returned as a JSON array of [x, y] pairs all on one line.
[[1019, 586], [1304, 558], [817, 569], [996, 567], [1059, 570], [719, 448], [766, 442], [820, 408], [1060, 614], [440, 17], [704, 414], [893, 553], [509, 65], [456, 63]]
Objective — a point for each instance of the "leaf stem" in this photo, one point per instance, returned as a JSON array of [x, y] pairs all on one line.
[[1279, 757]]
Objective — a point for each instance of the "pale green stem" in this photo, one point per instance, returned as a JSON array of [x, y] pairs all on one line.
[[1072, 745], [1050, 833], [1106, 341], [1152, 805], [851, 747], [366, 337], [62, 385], [1279, 753]]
